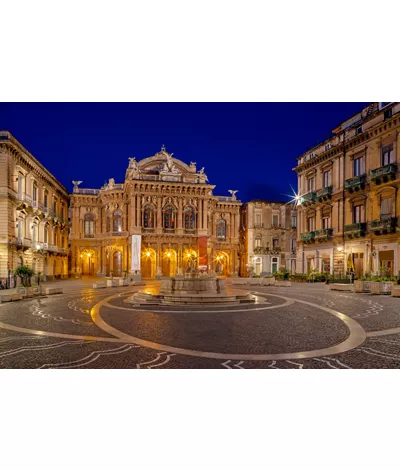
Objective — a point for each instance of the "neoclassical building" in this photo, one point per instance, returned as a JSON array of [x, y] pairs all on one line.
[[162, 220], [33, 214], [268, 237], [349, 188]]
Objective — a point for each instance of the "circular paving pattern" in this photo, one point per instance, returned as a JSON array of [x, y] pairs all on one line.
[[300, 327]]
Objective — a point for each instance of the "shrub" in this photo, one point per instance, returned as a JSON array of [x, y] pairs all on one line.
[[25, 273]]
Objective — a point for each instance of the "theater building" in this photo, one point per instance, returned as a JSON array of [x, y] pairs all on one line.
[[162, 220]]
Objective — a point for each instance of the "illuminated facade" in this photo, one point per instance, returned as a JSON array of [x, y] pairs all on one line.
[[268, 237], [162, 220], [350, 200], [34, 214]]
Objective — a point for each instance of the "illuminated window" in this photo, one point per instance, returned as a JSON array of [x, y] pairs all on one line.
[[221, 229], [358, 214], [359, 166], [117, 221], [148, 217], [387, 155], [189, 218], [169, 217], [89, 225]]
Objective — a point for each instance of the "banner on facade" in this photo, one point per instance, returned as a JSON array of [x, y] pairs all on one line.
[[136, 251], [202, 248]]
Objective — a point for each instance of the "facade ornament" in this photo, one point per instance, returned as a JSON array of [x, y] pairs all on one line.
[[192, 167], [133, 170], [202, 176], [76, 184], [233, 193]]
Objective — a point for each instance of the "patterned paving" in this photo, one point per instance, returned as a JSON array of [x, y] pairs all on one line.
[[300, 330]]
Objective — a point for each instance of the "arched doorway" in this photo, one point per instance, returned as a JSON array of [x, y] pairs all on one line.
[[117, 264], [189, 260], [221, 261], [148, 267], [169, 263], [88, 261]]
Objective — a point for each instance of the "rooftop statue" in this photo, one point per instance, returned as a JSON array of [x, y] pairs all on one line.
[[233, 193]]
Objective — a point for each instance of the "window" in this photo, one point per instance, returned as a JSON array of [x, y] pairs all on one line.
[[20, 228], [35, 192], [311, 224], [274, 265], [359, 166], [89, 225], [221, 229], [108, 224], [117, 221], [294, 221], [387, 155], [148, 217], [326, 178], [257, 242], [359, 130], [55, 237], [387, 114], [293, 244], [20, 185], [358, 214], [275, 220], [169, 217], [62, 241], [326, 222], [46, 199], [34, 234], [46, 235], [327, 147], [386, 207], [258, 220], [275, 242], [189, 218], [311, 184]]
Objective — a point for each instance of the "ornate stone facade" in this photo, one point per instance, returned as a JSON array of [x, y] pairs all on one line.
[[161, 221], [33, 212], [349, 197], [268, 237]]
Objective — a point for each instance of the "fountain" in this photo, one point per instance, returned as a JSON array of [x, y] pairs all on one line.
[[193, 288]]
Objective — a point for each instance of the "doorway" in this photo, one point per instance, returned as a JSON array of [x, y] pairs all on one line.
[[358, 260]]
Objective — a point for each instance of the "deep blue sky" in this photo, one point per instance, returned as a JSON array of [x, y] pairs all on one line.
[[247, 146]]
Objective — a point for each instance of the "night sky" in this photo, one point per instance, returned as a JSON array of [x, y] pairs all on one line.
[[251, 147]]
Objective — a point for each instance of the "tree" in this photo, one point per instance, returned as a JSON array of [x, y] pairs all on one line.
[[25, 273]]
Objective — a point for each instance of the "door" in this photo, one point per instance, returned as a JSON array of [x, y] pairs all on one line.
[[358, 259]]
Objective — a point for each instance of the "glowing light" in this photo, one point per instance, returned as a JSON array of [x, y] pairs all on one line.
[[169, 255], [295, 198], [188, 255], [340, 248], [89, 254], [38, 247], [148, 254]]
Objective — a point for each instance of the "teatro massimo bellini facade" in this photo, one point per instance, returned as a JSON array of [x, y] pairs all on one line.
[[161, 221]]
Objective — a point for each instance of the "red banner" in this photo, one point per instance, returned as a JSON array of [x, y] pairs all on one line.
[[202, 247]]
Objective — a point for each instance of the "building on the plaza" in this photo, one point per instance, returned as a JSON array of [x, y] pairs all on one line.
[[349, 204], [33, 213], [162, 220], [268, 237]]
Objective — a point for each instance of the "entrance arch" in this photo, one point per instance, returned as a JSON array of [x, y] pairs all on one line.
[[221, 260], [148, 267], [169, 263]]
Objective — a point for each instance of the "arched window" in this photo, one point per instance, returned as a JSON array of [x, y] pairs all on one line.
[[117, 221], [89, 225], [169, 217], [148, 217], [221, 229], [189, 218]]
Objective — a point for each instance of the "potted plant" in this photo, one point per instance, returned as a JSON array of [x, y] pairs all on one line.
[[382, 285]]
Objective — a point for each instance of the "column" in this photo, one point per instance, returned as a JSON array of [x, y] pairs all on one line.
[[138, 211], [205, 220]]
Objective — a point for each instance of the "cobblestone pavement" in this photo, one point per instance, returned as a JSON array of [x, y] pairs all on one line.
[[301, 327]]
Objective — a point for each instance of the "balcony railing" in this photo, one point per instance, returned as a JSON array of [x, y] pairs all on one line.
[[355, 184], [384, 173], [93, 192], [355, 230], [309, 198], [262, 250], [385, 224], [307, 237], [325, 193], [323, 234], [53, 248]]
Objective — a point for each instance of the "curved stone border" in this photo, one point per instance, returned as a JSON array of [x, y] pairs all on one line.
[[356, 338]]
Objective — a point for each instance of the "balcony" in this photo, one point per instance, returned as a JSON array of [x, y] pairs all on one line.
[[258, 225], [261, 250], [355, 230], [324, 194], [355, 184], [384, 173], [53, 248], [386, 224], [307, 237], [309, 198], [323, 234]]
